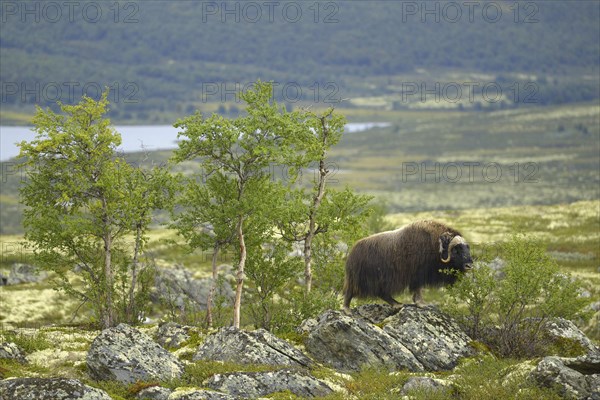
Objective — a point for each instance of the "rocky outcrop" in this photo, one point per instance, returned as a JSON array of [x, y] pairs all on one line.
[[22, 273], [348, 344], [12, 351], [412, 338], [256, 347], [125, 354], [178, 288], [434, 338], [250, 385], [575, 378], [559, 329], [154, 393], [49, 388]]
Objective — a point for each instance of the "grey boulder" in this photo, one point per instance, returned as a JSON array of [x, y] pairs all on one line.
[[250, 385], [49, 388], [576, 378], [178, 287], [255, 347], [560, 329], [154, 393], [425, 384], [433, 337], [348, 344], [412, 338], [22, 273], [200, 394], [126, 355], [12, 351], [172, 335]]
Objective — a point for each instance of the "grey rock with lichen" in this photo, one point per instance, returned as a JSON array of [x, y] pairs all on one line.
[[172, 335], [255, 347], [425, 384], [412, 338], [200, 394], [250, 385], [374, 313], [49, 388], [12, 351], [22, 273], [348, 344], [178, 288], [433, 337], [154, 393], [575, 378], [126, 355], [560, 328]]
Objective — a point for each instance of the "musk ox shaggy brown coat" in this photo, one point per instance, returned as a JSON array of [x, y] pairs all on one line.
[[412, 257]]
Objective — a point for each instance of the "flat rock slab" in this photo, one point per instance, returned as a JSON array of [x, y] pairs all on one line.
[[126, 355], [416, 339], [348, 344], [575, 378], [250, 385], [49, 388], [255, 347], [433, 337]]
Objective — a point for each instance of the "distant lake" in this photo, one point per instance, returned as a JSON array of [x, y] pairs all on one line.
[[134, 137]]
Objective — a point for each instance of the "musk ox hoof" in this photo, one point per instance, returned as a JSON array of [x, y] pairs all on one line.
[[347, 311]]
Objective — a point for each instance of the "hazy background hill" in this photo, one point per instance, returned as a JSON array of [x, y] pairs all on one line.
[[161, 57]]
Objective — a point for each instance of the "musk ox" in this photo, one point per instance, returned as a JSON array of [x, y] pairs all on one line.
[[412, 257]]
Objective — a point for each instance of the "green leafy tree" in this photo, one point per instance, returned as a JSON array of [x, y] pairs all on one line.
[[206, 221], [508, 310], [319, 211], [240, 151], [85, 206]]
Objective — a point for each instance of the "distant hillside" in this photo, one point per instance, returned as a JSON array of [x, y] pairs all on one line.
[[171, 57]]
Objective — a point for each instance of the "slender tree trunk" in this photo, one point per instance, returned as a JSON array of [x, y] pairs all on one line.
[[108, 319], [237, 305], [312, 228], [131, 307], [213, 286]]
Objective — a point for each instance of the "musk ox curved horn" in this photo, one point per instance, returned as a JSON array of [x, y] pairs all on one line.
[[455, 240]]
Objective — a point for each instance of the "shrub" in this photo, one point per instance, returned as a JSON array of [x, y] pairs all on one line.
[[508, 311]]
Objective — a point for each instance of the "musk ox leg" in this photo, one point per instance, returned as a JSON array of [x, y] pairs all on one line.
[[347, 300], [390, 300], [418, 298]]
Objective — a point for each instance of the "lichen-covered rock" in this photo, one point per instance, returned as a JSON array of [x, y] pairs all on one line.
[[250, 385], [576, 378], [374, 313], [22, 273], [125, 354], [425, 384], [434, 338], [255, 347], [12, 351], [349, 344], [49, 388], [177, 286], [200, 394], [413, 338], [154, 393], [560, 328], [172, 335]]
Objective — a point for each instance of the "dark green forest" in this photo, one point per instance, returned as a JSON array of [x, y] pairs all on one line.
[[168, 58]]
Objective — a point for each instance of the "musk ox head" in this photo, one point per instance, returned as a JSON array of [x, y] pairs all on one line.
[[455, 252]]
